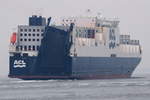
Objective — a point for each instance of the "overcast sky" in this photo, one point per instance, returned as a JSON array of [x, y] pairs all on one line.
[[134, 18]]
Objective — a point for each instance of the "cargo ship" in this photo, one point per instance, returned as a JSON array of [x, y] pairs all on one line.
[[88, 47]]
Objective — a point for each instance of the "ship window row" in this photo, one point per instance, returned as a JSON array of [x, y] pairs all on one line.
[[30, 34], [71, 20], [31, 30], [90, 35], [87, 30], [29, 39], [28, 48]]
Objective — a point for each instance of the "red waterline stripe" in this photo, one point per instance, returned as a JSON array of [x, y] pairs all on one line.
[[71, 77]]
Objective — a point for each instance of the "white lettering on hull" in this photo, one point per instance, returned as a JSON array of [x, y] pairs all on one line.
[[19, 64]]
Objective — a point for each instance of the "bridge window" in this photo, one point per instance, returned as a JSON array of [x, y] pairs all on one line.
[[25, 39], [25, 48], [21, 29], [21, 48], [33, 30], [37, 39], [29, 39], [33, 39], [33, 34], [33, 47], [29, 34], [25, 30], [38, 30], [21, 39], [25, 34], [29, 47], [21, 34], [29, 30], [37, 34], [113, 55]]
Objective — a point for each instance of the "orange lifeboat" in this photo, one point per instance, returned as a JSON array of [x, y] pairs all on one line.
[[13, 38]]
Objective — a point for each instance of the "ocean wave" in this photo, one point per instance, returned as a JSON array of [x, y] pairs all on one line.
[[111, 84]]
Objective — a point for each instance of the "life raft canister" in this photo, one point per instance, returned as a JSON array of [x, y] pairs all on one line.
[[13, 38]]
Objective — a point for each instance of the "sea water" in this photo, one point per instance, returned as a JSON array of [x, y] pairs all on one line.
[[136, 88]]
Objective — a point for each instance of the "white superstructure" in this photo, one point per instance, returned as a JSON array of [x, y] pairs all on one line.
[[94, 36], [29, 36]]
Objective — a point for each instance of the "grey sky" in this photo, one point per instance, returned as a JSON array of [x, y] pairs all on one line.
[[134, 16]]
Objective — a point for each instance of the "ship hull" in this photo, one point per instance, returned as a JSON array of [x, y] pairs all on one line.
[[80, 68], [56, 61]]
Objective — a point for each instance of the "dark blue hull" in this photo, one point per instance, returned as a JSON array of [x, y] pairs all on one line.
[[104, 67], [80, 68]]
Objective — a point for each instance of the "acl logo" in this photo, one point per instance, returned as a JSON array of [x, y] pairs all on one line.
[[19, 64]]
